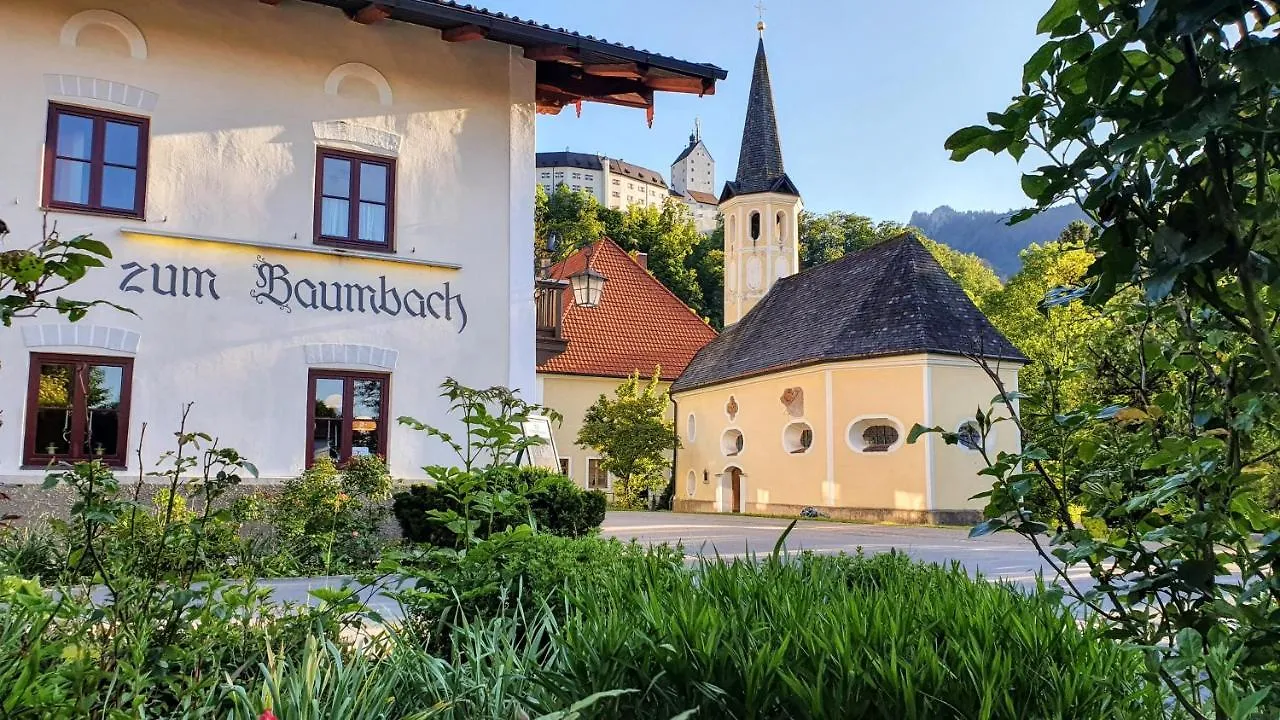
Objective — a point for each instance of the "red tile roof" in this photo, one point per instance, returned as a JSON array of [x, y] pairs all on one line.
[[704, 197], [639, 324]]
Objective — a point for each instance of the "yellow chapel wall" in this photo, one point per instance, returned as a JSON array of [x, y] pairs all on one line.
[[571, 395], [832, 474], [958, 388], [888, 389]]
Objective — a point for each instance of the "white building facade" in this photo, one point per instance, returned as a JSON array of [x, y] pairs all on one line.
[[693, 180], [614, 183], [301, 217]]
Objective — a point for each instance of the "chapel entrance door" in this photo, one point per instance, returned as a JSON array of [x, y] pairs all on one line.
[[735, 490]]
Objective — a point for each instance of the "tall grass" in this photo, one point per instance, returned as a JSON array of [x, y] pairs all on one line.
[[851, 637]]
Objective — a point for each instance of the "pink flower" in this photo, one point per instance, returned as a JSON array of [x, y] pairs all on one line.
[[355, 533], [267, 715]]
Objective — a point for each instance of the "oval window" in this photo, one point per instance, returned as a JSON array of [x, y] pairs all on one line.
[[879, 438], [797, 438], [693, 483], [875, 435], [732, 442], [969, 435], [691, 428]]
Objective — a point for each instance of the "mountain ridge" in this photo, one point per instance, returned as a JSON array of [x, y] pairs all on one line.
[[986, 234]]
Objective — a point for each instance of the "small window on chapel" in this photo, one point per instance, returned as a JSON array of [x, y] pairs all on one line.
[[755, 226], [879, 438], [875, 435], [969, 436]]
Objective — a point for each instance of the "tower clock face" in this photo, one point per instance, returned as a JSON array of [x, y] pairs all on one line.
[[755, 274]]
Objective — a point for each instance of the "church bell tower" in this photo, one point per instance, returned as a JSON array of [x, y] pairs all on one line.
[[761, 206]]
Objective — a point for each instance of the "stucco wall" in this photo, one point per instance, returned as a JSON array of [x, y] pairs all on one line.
[[753, 265], [902, 484], [239, 95], [958, 390], [571, 395]]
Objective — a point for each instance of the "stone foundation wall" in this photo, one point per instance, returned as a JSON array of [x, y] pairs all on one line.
[[865, 515], [33, 504]]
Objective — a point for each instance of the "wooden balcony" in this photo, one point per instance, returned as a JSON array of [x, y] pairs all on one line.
[[549, 304]]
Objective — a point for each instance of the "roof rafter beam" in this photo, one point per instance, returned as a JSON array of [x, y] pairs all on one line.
[[369, 14], [628, 70], [575, 83], [680, 84], [551, 53], [464, 33]]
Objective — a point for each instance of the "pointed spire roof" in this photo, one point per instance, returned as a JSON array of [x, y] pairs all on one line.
[[760, 160]]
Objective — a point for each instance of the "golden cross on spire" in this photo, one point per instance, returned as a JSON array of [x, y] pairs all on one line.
[[760, 8]]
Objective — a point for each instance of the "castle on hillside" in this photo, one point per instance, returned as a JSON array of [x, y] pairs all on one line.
[[618, 184]]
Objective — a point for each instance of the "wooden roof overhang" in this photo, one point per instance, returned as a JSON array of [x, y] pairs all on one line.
[[571, 67]]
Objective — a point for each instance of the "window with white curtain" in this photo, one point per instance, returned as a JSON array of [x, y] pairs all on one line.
[[355, 196]]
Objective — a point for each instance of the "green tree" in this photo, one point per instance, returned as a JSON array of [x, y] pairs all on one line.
[[571, 216], [1158, 119], [825, 237], [669, 236], [830, 236], [1057, 338], [707, 261], [633, 436], [970, 272]]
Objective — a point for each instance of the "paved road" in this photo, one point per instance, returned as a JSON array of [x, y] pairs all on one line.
[[1007, 557], [1004, 556]]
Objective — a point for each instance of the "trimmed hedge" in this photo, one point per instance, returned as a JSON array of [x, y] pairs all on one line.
[[556, 504]]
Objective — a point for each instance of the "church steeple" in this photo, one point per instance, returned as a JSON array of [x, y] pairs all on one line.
[[761, 206], [760, 167]]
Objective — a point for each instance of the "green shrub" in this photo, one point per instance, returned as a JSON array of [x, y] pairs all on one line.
[[329, 519], [848, 637], [554, 502], [186, 542], [34, 552], [514, 569]]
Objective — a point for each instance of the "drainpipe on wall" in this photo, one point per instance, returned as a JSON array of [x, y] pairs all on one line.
[[675, 430]]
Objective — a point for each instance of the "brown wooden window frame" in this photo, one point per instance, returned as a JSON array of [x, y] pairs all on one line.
[[97, 161], [348, 416], [31, 455], [352, 239]]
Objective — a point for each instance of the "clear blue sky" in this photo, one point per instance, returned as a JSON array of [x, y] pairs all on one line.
[[866, 92]]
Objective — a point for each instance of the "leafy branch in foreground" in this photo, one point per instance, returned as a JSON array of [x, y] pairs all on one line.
[[32, 277], [1158, 117]]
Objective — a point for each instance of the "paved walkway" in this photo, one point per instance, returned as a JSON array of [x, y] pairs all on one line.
[[1005, 556]]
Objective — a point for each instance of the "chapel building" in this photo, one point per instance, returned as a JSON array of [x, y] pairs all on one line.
[[807, 397]]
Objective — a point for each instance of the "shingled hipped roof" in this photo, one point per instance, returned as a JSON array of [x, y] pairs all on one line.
[[638, 326], [889, 299], [760, 159]]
